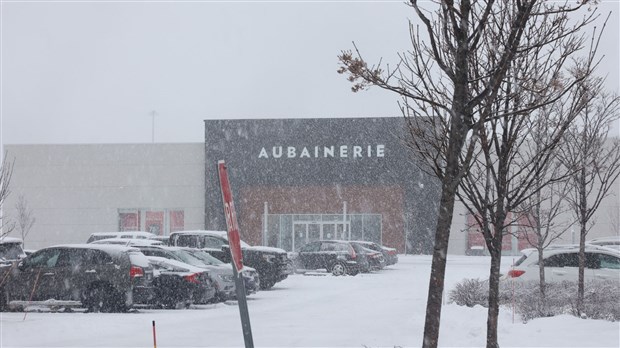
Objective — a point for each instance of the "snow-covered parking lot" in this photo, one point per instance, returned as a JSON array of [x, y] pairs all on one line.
[[381, 309]]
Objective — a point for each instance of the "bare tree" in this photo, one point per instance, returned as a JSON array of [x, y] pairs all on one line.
[[25, 218], [449, 82], [594, 160], [507, 171], [5, 178], [539, 213]]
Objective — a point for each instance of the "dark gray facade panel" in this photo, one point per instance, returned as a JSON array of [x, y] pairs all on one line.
[[334, 152]]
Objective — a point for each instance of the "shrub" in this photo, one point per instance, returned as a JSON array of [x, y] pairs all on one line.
[[470, 292], [601, 300]]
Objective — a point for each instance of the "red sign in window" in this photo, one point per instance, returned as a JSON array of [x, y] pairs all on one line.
[[177, 220], [155, 222], [129, 221]]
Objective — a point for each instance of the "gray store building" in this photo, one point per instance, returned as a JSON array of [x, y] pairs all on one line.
[[297, 180], [293, 180]]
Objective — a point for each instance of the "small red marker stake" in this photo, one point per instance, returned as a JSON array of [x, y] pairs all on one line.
[[154, 336]]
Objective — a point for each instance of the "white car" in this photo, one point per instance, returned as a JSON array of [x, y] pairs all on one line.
[[610, 242], [562, 263]]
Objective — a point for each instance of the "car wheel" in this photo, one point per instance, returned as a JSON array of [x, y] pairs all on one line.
[[353, 273], [103, 298], [291, 267], [267, 284], [339, 269]]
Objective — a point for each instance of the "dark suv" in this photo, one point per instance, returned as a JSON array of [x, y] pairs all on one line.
[[338, 257], [106, 278], [270, 263]]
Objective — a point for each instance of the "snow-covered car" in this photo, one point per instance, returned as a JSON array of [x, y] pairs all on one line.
[[251, 278], [221, 276], [11, 249], [270, 263], [389, 254], [562, 264], [374, 259], [106, 278], [337, 257], [610, 242], [177, 283]]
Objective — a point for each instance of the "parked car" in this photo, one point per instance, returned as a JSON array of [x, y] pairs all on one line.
[[221, 276], [125, 235], [337, 257], [178, 283], [370, 260], [11, 250], [251, 278], [389, 254], [562, 263], [270, 263], [106, 278], [610, 242]]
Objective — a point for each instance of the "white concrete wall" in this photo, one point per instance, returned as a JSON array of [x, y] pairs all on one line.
[[74, 190]]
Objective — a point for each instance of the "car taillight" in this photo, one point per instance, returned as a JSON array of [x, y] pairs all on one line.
[[136, 271], [352, 253], [514, 273], [192, 278]]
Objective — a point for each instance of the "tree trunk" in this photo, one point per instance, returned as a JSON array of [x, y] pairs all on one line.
[[493, 312], [583, 199], [438, 267], [582, 264], [541, 273]]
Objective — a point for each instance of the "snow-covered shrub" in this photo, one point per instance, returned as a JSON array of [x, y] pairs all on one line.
[[601, 301], [470, 292]]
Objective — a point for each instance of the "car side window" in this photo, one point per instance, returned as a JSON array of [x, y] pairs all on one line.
[[328, 247], [341, 247], [45, 258], [310, 247], [70, 258], [98, 258], [593, 261], [563, 260], [212, 242], [609, 262], [187, 241]]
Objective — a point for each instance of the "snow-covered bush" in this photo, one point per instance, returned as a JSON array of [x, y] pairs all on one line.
[[602, 298], [470, 292]]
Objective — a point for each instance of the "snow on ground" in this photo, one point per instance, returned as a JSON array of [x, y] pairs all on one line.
[[381, 309]]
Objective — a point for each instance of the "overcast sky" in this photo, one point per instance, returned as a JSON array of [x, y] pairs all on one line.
[[93, 72]]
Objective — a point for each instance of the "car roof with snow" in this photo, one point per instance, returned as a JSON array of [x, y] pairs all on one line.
[[10, 240], [203, 232], [109, 248], [128, 241]]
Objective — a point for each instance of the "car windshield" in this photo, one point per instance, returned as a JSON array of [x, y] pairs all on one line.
[[205, 257], [188, 258]]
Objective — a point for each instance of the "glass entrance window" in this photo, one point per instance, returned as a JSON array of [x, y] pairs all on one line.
[[314, 232], [292, 231], [329, 231]]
